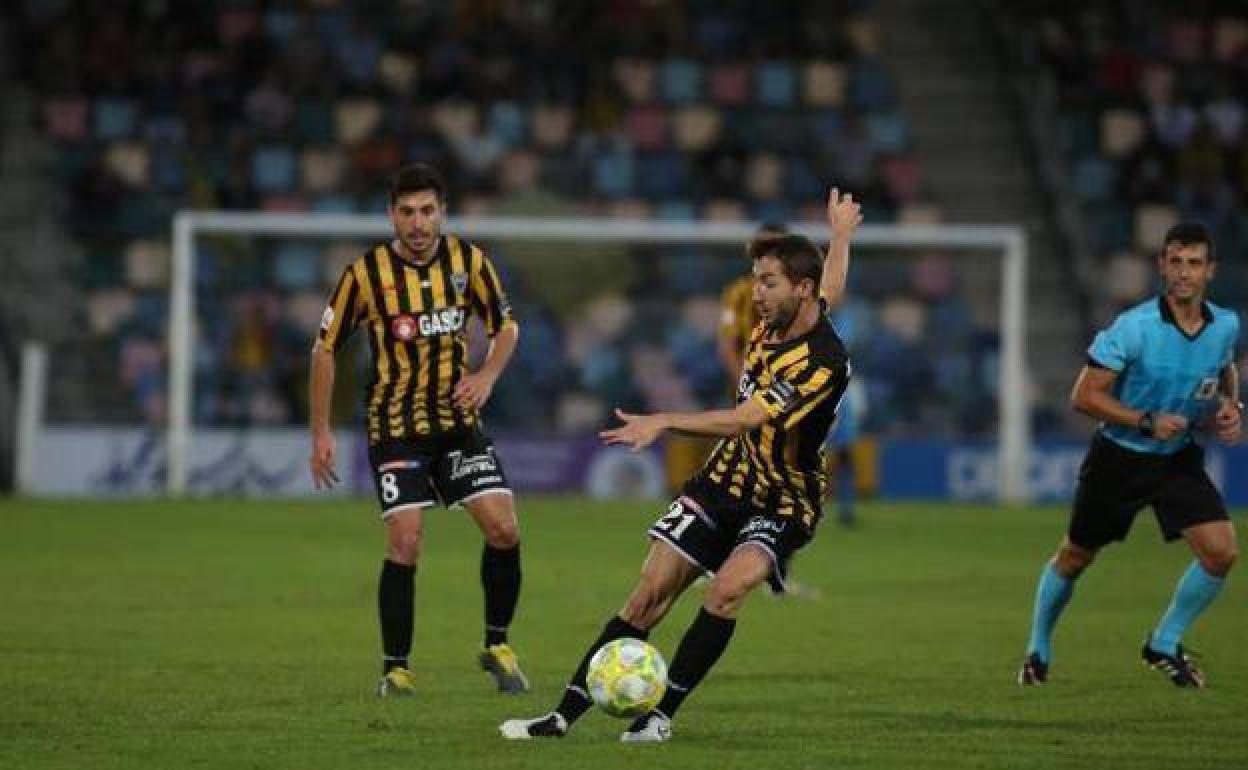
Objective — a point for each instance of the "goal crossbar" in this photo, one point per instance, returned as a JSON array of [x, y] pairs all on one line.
[[1014, 435]]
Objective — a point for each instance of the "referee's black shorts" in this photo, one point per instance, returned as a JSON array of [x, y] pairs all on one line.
[[1116, 482]]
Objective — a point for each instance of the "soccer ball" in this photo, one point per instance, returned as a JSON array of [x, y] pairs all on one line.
[[627, 677]]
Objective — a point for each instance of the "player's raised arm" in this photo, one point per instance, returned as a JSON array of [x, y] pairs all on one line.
[[844, 216]]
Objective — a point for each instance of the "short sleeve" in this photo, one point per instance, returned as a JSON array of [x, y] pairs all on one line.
[[1116, 347], [488, 298], [341, 315]]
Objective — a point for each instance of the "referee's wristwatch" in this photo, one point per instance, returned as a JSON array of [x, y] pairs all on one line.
[[1146, 424]]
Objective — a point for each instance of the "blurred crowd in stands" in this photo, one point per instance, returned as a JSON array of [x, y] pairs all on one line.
[[718, 110], [1152, 117]]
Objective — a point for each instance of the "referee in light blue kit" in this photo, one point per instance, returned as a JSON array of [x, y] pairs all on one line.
[[1160, 379]]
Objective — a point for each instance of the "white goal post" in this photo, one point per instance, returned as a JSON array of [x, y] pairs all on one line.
[[1014, 430]]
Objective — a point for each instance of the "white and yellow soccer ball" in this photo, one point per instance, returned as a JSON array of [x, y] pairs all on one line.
[[627, 677]]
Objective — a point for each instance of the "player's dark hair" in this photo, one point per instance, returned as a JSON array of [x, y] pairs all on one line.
[[766, 231], [1189, 234], [798, 255], [417, 177]]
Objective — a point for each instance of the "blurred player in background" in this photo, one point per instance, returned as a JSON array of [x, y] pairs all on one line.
[[1160, 376], [413, 296], [757, 499], [839, 449], [737, 317]]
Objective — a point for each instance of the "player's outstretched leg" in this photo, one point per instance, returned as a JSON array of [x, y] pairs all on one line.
[[705, 641], [575, 701], [701, 647]]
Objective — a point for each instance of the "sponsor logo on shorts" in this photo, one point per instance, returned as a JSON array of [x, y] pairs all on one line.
[[470, 465], [763, 528], [399, 465]]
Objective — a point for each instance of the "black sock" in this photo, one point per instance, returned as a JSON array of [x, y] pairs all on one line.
[[576, 697], [704, 642], [395, 596], [500, 577]]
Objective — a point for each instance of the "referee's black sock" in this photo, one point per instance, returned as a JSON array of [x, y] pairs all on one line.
[[576, 697], [704, 642], [500, 578], [395, 595]]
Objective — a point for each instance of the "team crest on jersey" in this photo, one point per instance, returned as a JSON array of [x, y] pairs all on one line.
[[327, 318], [460, 282], [403, 327], [1207, 389]]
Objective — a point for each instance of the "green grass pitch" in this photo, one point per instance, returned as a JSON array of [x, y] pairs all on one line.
[[242, 634]]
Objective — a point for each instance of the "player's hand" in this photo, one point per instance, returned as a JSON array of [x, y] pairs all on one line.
[[638, 431], [322, 460], [473, 390], [1228, 422], [844, 213], [1167, 426]]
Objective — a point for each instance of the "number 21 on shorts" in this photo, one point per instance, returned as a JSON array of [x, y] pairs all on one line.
[[676, 520]]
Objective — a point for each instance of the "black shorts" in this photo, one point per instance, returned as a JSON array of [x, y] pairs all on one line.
[[706, 526], [1116, 482], [452, 469]]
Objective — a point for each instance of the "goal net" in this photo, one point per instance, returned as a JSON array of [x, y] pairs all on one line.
[[200, 387]]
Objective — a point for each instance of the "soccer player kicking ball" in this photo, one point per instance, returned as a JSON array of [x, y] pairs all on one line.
[[1160, 375], [756, 500]]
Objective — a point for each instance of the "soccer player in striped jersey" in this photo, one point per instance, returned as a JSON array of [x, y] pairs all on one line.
[[756, 501], [412, 296]]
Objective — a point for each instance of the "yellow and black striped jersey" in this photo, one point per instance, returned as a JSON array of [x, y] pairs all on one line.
[[776, 467], [416, 320], [737, 316]]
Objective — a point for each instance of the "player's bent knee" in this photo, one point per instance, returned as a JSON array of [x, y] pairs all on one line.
[[403, 546], [1219, 561], [724, 598], [1071, 560], [645, 607], [502, 535]]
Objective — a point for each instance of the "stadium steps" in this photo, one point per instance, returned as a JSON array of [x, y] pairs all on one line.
[[40, 297], [975, 166]]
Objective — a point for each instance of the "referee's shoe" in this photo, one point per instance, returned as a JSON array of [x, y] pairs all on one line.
[[1179, 667]]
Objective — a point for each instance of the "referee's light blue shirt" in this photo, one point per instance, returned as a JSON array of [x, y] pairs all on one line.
[[1164, 370]]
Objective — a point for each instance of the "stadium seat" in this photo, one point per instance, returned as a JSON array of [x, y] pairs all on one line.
[[823, 84], [680, 81], [65, 119], [114, 118], [729, 84], [273, 169], [775, 83]]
